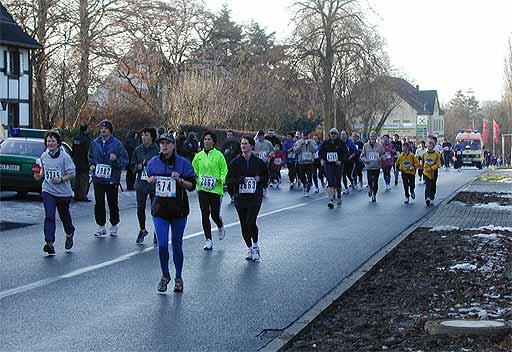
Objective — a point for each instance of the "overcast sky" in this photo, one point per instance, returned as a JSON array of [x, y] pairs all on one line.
[[438, 44]]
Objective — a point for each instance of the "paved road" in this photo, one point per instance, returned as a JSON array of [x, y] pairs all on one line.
[[102, 295]]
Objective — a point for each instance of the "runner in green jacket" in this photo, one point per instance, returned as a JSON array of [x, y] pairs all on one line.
[[211, 170]]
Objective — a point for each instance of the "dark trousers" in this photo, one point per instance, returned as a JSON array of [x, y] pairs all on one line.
[[396, 170], [346, 172], [387, 174], [130, 179], [248, 214], [111, 192], [420, 174], [373, 180], [210, 205], [81, 185], [409, 181], [306, 175], [446, 160], [357, 172], [275, 173], [318, 173], [292, 171], [141, 207], [430, 188], [51, 203]]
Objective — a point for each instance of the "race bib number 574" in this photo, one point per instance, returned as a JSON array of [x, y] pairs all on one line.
[[165, 187]]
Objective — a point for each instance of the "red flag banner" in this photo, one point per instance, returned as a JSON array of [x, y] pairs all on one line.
[[496, 131], [485, 131]]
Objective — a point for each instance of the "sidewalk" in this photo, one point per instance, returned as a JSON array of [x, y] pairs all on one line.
[[448, 267]]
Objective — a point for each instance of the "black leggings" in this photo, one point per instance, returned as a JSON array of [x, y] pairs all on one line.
[[357, 172], [292, 171], [209, 204], [248, 214], [306, 175], [141, 207], [346, 172], [430, 188], [373, 180], [387, 174], [409, 182], [318, 173]]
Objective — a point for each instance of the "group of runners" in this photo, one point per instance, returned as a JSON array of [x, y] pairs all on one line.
[[244, 167]]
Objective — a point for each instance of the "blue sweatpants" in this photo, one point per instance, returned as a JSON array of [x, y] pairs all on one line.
[[61, 204], [162, 232]]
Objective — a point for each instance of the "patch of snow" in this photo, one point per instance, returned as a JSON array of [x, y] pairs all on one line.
[[492, 228], [457, 203], [444, 228], [494, 206], [489, 237], [464, 267], [505, 180]]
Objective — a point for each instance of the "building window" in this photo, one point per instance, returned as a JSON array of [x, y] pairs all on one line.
[[13, 63]]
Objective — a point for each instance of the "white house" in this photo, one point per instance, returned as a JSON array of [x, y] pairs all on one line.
[[418, 113], [15, 72]]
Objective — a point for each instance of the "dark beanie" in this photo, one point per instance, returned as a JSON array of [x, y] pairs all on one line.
[[107, 124]]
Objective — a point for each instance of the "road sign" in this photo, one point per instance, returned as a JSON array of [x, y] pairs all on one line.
[[421, 121]]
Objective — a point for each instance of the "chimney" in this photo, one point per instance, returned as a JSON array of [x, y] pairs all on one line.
[[417, 88]]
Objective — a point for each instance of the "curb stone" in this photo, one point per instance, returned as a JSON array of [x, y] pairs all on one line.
[[288, 333]]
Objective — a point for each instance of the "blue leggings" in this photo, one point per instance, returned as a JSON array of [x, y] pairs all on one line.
[[162, 232]]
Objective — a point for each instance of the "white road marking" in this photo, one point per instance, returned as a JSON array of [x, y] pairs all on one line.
[[51, 280]]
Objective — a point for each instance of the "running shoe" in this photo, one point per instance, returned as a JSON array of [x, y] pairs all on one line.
[[221, 233], [374, 199], [140, 237], [101, 232], [178, 284], [249, 254], [413, 195], [264, 192], [432, 203], [427, 202], [346, 191], [162, 285], [339, 201], [255, 252], [406, 201], [113, 231], [208, 245], [317, 190], [369, 192], [69, 242], [155, 241], [330, 205], [232, 199], [48, 248], [292, 185]]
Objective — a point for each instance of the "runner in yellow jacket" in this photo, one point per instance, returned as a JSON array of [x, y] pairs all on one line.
[[407, 163], [211, 171], [431, 162]]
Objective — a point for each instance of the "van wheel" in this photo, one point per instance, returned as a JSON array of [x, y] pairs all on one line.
[[21, 194], [479, 166]]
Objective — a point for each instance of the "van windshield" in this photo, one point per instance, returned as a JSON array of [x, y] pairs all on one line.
[[473, 144]]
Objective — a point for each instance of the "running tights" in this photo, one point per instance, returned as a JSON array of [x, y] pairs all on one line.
[[162, 232], [209, 204], [248, 211], [387, 174], [373, 180], [306, 175]]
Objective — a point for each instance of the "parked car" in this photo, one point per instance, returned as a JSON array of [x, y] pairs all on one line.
[[19, 161]]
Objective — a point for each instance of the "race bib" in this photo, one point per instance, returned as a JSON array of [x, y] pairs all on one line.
[[249, 186], [459, 152], [446, 149], [307, 156], [51, 172], [332, 157], [406, 164], [144, 174], [388, 155], [208, 183], [278, 161], [316, 154], [103, 171], [429, 161], [262, 155], [165, 187], [373, 156]]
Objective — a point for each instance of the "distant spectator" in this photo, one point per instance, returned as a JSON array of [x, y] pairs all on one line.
[[81, 145], [271, 136], [130, 144]]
